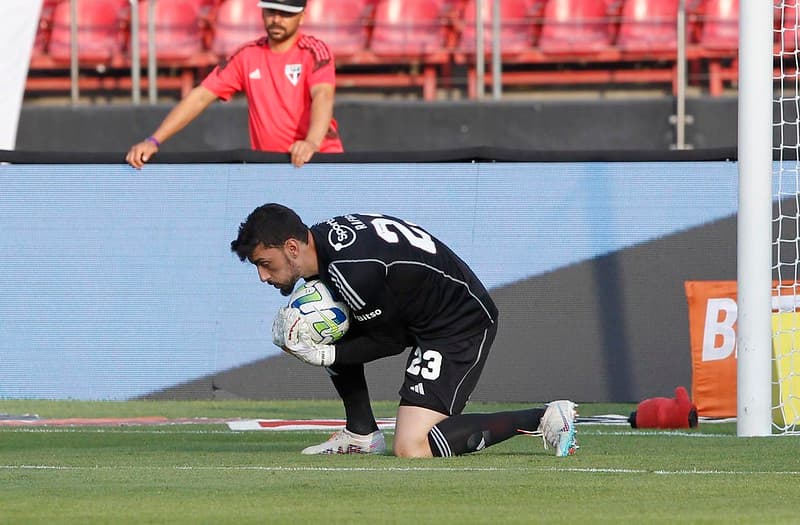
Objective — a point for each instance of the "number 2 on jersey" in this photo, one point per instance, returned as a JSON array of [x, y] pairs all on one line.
[[414, 235]]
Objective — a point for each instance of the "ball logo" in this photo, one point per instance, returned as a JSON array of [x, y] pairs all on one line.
[[326, 318], [340, 237]]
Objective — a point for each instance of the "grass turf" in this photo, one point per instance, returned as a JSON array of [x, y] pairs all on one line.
[[206, 473]]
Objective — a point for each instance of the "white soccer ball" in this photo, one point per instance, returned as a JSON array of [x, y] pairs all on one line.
[[329, 319]]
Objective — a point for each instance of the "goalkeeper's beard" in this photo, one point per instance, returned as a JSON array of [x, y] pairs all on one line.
[[287, 289]]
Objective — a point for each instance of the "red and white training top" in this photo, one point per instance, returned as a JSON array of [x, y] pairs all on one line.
[[278, 89]]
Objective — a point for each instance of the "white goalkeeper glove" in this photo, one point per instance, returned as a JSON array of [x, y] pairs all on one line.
[[279, 327], [292, 333]]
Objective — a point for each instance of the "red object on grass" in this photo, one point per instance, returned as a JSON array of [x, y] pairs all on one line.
[[665, 412]]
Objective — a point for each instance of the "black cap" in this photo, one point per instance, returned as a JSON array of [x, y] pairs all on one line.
[[289, 6]]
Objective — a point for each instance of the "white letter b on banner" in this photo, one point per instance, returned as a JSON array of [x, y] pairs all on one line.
[[719, 337]]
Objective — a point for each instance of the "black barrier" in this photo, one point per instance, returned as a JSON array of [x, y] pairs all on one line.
[[476, 154]]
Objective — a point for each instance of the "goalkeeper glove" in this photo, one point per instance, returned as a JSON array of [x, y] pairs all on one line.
[[292, 333]]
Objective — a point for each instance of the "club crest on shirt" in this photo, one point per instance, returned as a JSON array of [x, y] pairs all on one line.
[[292, 72]]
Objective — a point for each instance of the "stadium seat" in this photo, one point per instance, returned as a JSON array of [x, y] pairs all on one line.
[[516, 25], [341, 24], [518, 32], [786, 21], [720, 28], [578, 27], [182, 37], [719, 42], [409, 27], [407, 46], [181, 29], [576, 46], [44, 29], [649, 26], [101, 35], [236, 22]]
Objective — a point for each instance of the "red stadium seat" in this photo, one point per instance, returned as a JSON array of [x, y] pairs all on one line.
[[409, 27], [518, 29], [575, 27], [786, 20], [649, 26], [719, 42], [338, 23], [237, 22], [44, 29], [407, 47], [516, 25], [576, 45], [180, 29], [720, 30], [100, 31]]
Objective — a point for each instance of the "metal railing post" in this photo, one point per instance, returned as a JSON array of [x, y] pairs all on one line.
[[136, 58], [681, 119], [480, 62], [497, 61], [152, 67], [73, 52]]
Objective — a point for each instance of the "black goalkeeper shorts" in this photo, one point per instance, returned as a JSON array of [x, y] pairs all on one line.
[[441, 375]]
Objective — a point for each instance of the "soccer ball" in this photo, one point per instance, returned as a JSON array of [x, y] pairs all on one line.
[[329, 319]]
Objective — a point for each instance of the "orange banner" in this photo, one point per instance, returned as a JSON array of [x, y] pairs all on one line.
[[712, 335]]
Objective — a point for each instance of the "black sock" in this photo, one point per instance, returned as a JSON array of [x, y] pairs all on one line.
[[351, 385], [467, 433]]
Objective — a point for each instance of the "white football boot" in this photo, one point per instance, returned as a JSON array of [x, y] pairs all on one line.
[[345, 442], [557, 427]]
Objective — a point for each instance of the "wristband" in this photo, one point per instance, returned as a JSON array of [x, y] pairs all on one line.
[[153, 140]]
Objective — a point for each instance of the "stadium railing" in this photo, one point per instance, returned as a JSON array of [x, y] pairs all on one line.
[[417, 45]]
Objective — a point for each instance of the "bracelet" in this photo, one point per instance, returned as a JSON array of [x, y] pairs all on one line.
[[154, 141]]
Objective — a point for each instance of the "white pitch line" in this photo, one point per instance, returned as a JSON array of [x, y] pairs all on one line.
[[573, 470], [108, 430], [129, 430], [660, 433]]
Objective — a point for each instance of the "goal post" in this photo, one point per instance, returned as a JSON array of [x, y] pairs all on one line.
[[754, 227]]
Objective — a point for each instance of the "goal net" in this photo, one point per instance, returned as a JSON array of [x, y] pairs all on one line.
[[785, 373]]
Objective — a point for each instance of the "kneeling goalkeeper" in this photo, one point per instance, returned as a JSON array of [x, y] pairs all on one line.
[[407, 292]]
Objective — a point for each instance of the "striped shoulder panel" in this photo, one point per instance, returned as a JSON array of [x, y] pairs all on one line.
[[318, 48], [351, 297]]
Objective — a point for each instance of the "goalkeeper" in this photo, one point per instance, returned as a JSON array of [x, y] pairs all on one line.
[[408, 292]]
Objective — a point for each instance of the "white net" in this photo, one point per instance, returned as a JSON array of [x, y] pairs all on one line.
[[786, 218]]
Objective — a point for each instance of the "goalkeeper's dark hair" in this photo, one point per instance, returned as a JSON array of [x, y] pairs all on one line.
[[271, 225]]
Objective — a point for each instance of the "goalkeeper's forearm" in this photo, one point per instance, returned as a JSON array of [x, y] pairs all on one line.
[[361, 349]]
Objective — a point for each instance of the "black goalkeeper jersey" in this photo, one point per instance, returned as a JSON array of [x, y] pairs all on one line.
[[393, 274]]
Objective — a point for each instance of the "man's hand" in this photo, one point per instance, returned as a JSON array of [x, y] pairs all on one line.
[[186, 111], [140, 153], [302, 151], [293, 334]]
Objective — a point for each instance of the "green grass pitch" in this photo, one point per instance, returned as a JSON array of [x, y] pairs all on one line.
[[209, 474]]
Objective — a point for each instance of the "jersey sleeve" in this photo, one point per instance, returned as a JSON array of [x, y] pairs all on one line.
[[323, 70], [360, 284], [227, 78]]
